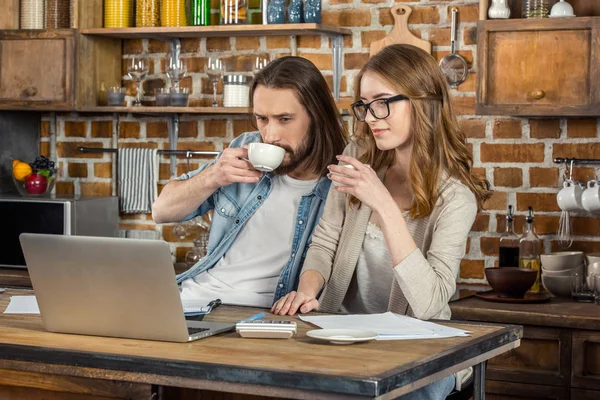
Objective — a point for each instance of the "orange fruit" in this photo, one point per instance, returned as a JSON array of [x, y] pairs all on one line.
[[15, 162], [21, 171]]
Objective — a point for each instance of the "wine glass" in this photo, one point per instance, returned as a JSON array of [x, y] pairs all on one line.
[[176, 70], [138, 70], [214, 69], [260, 62]]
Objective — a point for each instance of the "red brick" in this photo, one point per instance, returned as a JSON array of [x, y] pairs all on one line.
[[576, 150], [75, 129], [242, 125], [157, 46], [190, 45], [544, 128], [533, 152], [582, 128], [470, 83], [102, 129], [419, 15], [470, 35], [129, 130], [69, 149], [355, 17], [157, 129], [482, 223], [489, 246], [133, 46], [137, 227], [188, 129], [466, 54], [309, 42], [543, 177], [507, 129], [355, 60], [218, 44], [498, 201], [368, 37], [215, 128], [473, 128], [583, 174], [508, 177], [78, 170], [196, 146], [585, 226], [464, 105], [278, 42], [539, 201], [331, 2], [468, 13], [45, 129], [95, 188], [247, 43], [585, 246], [64, 188], [343, 86], [45, 149], [322, 61], [472, 269], [439, 36], [103, 170]]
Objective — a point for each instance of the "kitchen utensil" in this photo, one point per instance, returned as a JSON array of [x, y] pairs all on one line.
[[561, 9], [400, 32], [565, 238], [454, 66]]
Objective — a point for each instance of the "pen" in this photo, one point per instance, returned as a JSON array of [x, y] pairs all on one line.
[[254, 317]]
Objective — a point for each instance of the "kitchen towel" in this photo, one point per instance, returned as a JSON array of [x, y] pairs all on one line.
[[138, 178]]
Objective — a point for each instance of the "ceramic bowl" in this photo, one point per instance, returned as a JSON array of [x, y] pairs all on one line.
[[562, 9], [559, 286], [561, 261], [510, 281], [565, 272]]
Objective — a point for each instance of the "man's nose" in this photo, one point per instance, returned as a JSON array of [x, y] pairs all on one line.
[[270, 134]]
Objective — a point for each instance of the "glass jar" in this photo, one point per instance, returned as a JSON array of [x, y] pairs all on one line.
[[32, 14], [118, 13], [172, 13], [236, 92], [234, 12], [58, 14], [535, 9], [147, 13], [199, 12], [198, 251]]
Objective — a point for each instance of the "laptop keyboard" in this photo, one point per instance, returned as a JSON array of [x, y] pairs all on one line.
[[193, 331]]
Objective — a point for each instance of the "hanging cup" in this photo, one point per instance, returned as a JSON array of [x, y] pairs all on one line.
[[569, 197]]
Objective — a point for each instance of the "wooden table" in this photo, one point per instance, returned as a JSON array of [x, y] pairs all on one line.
[[559, 357], [32, 359]]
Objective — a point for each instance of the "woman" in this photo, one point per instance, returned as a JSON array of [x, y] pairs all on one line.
[[395, 226]]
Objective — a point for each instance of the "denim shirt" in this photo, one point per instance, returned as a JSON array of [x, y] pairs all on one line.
[[234, 205]]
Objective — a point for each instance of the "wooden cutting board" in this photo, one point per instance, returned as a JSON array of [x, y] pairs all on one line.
[[400, 33]]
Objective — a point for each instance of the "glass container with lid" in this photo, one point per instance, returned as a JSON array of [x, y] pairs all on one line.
[[236, 91]]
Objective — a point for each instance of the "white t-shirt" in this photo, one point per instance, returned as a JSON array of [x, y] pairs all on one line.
[[248, 272]]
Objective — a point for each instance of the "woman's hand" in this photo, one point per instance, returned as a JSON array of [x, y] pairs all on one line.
[[291, 302], [362, 182]]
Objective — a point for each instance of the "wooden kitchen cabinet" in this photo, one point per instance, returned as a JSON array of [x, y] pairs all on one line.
[[548, 67], [585, 371], [37, 68]]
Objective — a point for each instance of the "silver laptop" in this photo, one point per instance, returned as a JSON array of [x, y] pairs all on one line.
[[109, 287]]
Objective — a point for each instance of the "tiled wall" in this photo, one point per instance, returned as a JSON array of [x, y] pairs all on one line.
[[514, 153]]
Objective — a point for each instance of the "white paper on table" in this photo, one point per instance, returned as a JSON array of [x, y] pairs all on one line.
[[388, 325], [22, 305]]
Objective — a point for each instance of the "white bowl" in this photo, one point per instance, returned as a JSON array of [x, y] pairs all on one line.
[[562, 9], [559, 286], [593, 258], [563, 260], [594, 268], [566, 272]]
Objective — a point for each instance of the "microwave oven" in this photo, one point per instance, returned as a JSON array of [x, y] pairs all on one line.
[[69, 215]]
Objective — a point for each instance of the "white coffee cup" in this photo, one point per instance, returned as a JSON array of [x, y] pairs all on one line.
[[590, 199], [265, 157], [569, 197]]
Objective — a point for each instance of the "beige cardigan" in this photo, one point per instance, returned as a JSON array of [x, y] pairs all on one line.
[[425, 280]]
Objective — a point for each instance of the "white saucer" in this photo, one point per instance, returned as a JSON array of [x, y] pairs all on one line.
[[561, 16], [342, 336]]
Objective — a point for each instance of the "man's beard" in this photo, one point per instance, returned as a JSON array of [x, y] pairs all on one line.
[[296, 157]]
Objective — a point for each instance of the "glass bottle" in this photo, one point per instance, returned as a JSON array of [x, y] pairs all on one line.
[[147, 13], [535, 9], [296, 11], [199, 12], [118, 13], [234, 12], [198, 251], [509, 243], [172, 13], [529, 252]]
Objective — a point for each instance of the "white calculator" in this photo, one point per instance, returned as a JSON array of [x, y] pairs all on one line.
[[266, 329]]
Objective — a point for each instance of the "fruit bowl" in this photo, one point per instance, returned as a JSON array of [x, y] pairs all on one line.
[[36, 179]]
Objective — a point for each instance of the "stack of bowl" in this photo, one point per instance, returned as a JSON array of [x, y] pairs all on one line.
[[593, 268], [558, 269]]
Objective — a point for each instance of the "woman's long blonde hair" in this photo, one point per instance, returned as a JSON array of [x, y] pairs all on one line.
[[438, 143]]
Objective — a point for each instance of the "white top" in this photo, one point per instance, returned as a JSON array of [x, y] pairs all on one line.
[[371, 285], [248, 273]]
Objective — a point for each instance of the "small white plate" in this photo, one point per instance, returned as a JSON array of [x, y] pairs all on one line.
[[342, 336]]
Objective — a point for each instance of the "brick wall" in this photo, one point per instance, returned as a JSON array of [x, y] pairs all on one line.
[[515, 154]]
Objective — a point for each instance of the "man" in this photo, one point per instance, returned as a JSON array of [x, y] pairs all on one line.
[[262, 223]]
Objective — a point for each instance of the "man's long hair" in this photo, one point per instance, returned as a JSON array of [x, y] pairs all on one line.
[[326, 131]]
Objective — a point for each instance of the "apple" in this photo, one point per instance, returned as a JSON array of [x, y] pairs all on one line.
[[36, 184]]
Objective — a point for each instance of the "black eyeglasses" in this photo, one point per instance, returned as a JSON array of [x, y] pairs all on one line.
[[379, 108]]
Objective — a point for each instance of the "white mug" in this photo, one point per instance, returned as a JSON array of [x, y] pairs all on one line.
[[590, 199], [265, 157], [569, 197]]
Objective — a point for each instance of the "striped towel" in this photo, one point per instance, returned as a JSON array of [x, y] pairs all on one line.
[[138, 176]]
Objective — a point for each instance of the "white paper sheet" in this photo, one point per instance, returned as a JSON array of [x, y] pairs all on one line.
[[388, 325], [22, 305]]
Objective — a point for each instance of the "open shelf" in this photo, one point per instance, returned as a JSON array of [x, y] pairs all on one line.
[[218, 31], [176, 110]]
